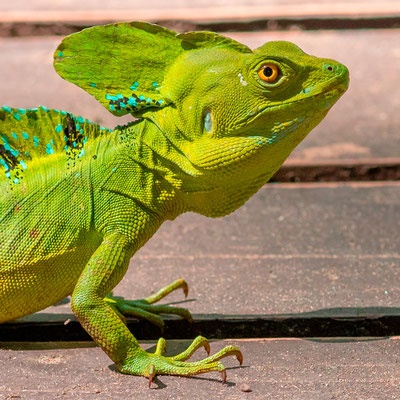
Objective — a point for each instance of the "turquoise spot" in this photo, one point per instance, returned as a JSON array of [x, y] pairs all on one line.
[[21, 110], [58, 128], [141, 97], [14, 135], [60, 54], [14, 152], [136, 83], [307, 90], [5, 140], [109, 97], [81, 120], [77, 174], [23, 165], [45, 109], [81, 131], [74, 144], [7, 146], [66, 148], [133, 87], [25, 135], [52, 142], [155, 84], [27, 154], [113, 170], [123, 105], [63, 112], [93, 85], [81, 153], [65, 138], [17, 116], [160, 102], [148, 100], [112, 108], [4, 164], [16, 180], [120, 96], [8, 175], [7, 109], [78, 126], [36, 144], [132, 101]]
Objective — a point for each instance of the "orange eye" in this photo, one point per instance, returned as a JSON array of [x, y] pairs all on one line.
[[268, 73]]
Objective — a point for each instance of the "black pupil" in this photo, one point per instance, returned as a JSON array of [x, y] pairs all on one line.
[[268, 72]]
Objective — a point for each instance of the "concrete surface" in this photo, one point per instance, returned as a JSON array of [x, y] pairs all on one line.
[[329, 250], [288, 369]]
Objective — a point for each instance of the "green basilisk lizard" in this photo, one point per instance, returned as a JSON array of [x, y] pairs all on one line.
[[215, 120]]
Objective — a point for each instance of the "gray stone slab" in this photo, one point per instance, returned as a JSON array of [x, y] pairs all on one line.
[[279, 369], [294, 250], [364, 124]]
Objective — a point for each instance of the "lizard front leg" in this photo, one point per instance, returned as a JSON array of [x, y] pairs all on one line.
[[104, 270]]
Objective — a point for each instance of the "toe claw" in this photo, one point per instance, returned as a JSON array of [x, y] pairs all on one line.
[[239, 357], [152, 374], [207, 348], [223, 375]]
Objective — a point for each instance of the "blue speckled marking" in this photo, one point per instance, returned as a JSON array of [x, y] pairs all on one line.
[[148, 100], [141, 97], [21, 110], [7, 109], [109, 97], [17, 116], [93, 84], [45, 109], [23, 165], [112, 107], [14, 135], [155, 84], [306, 90], [25, 135], [81, 120], [16, 180], [60, 54], [133, 87], [58, 128]]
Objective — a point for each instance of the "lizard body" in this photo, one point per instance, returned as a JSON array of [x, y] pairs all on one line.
[[216, 120]]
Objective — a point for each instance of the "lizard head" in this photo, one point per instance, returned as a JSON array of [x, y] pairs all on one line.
[[231, 113], [250, 108]]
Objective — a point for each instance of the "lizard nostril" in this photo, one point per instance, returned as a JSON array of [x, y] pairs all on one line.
[[330, 68]]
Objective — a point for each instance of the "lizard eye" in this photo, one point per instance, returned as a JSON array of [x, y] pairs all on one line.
[[268, 73]]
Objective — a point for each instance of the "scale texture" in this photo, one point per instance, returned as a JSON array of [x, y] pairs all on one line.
[[215, 120]]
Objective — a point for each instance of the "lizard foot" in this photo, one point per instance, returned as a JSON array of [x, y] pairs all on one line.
[[151, 364], [144, 309]]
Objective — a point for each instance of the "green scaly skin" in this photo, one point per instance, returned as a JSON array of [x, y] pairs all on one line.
[[77, 200]]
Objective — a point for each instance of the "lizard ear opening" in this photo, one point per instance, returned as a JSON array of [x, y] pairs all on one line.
[[122, 65], [208, 121]]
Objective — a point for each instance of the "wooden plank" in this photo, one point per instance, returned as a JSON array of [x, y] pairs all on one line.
[[200, 11], [337, 368], [362, 125]]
